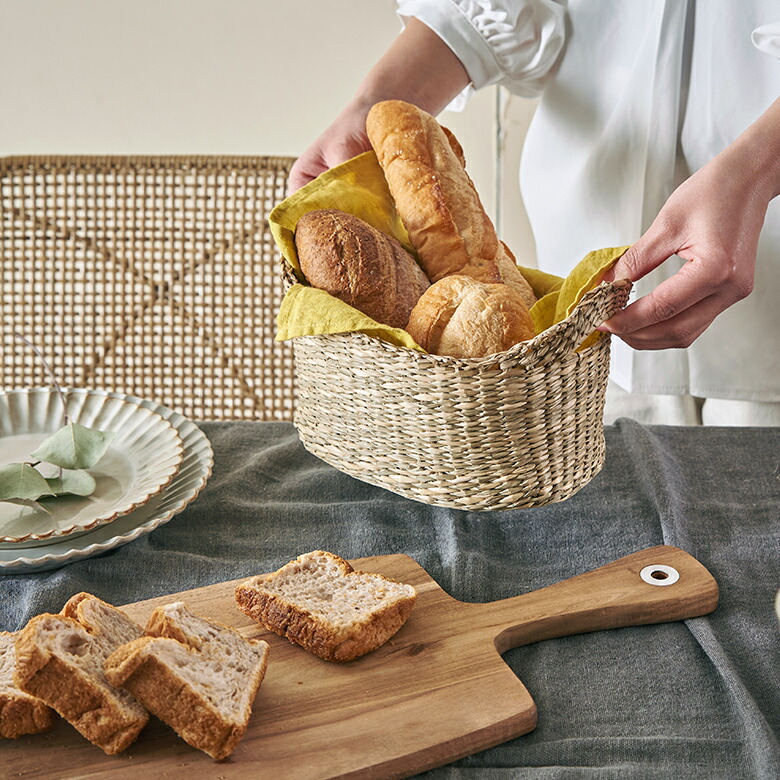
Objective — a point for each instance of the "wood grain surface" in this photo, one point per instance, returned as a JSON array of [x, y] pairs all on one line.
[[437, 691]]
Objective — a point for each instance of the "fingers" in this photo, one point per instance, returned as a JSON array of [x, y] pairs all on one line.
[[672, 296], [305, 169], [340, 142], [678, 331], [652, 249], [681, 308]]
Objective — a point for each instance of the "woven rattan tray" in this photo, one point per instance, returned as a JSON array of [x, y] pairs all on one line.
[[519, 429]]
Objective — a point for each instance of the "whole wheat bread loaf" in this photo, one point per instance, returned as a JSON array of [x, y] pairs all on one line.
[[199, 677], [20, 713], [321, 603], [360, 265], [59, 659]]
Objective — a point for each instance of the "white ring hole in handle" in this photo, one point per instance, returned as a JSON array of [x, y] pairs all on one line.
[[658, 574]]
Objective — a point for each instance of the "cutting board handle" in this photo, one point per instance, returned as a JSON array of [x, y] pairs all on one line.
[[655, 585]]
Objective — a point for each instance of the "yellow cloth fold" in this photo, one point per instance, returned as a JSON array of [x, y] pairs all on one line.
[[358, 187], [307, 311]]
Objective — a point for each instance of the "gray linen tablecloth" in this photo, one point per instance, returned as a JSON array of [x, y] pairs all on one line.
[[699, 699]]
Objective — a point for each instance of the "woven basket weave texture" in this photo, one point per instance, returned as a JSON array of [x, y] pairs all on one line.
[[152, 276], [520, 429]]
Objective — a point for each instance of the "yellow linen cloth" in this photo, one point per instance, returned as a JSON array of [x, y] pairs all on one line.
[[358, 187]]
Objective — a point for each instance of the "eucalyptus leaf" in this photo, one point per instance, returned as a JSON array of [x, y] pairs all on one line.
[[74, 446], [77, 483], [22, 481]]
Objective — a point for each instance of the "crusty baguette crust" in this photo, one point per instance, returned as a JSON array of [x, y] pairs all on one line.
[[73, 694], [360, 265], [436, 199], [172, 699], [434, 196], [455, 144], [314, 633], [461, 317], [511, 275]]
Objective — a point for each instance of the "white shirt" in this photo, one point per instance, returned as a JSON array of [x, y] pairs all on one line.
[[636, 96]]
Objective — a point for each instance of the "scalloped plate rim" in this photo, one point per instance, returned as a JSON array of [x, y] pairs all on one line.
[[9, 542], [201, 453]]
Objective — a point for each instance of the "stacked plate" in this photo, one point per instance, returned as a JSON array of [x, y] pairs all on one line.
[[156, 464]]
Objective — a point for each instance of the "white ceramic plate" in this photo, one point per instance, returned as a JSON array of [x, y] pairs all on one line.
[[189, 481], [143, 457]]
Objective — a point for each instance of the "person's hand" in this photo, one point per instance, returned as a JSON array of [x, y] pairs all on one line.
[[712, 221], [397, 75], [344, 139]]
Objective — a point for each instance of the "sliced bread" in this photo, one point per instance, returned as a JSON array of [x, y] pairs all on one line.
[[59, 659], [197, 676], [20, 713], [321, 603]]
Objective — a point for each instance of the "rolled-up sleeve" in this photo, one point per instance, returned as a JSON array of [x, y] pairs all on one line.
[[514, 43], [767, 38]]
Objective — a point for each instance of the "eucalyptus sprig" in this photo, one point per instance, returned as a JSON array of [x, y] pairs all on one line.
[[73, 449]]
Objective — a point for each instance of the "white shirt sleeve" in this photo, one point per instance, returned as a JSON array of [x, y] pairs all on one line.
[[767, 38], [514, 43]]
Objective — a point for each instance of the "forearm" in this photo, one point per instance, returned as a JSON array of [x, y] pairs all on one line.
[[418, 68], [755, 154]]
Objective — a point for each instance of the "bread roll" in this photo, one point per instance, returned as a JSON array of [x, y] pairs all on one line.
[[360, 265], [462, 317], [436, 199]]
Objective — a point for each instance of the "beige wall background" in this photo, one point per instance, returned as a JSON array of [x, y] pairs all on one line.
[[222, 77]]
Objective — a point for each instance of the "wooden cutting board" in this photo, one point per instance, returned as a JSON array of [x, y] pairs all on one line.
[[436, 692]]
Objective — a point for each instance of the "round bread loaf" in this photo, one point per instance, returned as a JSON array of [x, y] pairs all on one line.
[[362, 266], [462, 317]]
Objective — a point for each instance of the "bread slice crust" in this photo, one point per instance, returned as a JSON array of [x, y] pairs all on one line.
[[161, 672], [311, 628], [50, 670], [20, 713]]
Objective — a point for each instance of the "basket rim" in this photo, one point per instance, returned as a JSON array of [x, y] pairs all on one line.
[[528, 353]]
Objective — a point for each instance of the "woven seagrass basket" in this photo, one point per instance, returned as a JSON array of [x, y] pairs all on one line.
[[522, 428]]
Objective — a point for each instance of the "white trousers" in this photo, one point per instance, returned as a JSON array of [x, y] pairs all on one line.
[[687, 410]]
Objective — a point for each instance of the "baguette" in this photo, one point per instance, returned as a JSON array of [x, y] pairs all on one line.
[[59, 659], [199, 677], [20, 713], [436, 199], [318, 601]]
